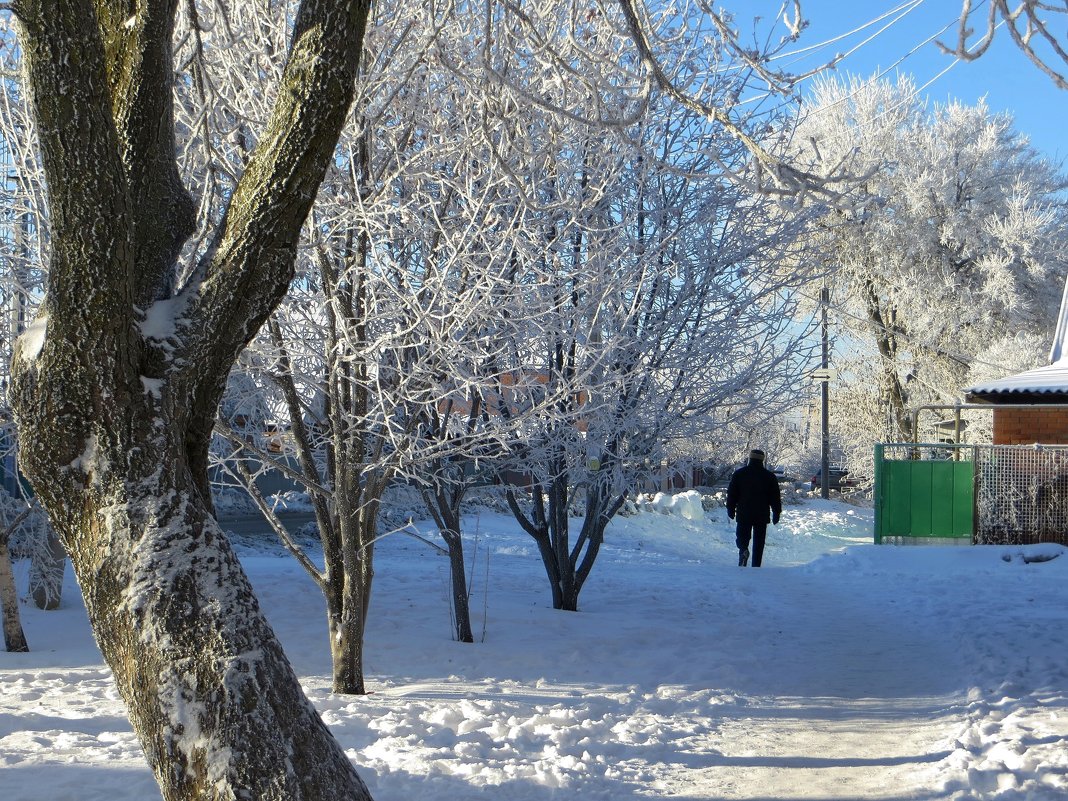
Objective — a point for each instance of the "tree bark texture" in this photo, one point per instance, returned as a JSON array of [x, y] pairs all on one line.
[[114, 426]]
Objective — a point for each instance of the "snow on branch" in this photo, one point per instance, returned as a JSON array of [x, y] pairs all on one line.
[[772, 174]]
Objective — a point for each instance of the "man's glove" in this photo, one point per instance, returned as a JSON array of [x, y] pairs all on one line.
[[730, 514], [775, 520]]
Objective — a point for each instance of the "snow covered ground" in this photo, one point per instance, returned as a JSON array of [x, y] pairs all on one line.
[[839, 670]]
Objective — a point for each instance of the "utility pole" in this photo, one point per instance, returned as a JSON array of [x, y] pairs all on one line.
[[825, 398]]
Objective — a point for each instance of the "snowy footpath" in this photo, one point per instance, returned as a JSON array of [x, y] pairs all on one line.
[[840, 670]]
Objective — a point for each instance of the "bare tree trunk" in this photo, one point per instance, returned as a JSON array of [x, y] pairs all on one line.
[[461, 601], [350, 605], [14, 637], [567, 567], [443, 500], [537, 526]]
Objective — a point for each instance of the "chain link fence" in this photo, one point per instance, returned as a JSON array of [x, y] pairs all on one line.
[[1021, 493]]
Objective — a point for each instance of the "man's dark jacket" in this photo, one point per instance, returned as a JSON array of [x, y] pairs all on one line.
[[753, 494]]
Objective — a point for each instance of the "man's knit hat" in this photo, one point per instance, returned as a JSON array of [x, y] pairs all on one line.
[[756, 454]]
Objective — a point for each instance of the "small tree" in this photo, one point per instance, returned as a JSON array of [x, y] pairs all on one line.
[[386, 326], [12, 515], [641, 274]]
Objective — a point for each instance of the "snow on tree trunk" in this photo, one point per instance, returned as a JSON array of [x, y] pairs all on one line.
[[212, 696], [116, 384]]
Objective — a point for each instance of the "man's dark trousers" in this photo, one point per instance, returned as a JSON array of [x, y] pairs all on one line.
[[758, 532]]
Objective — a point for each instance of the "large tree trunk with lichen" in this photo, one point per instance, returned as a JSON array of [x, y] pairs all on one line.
[[114, 425]]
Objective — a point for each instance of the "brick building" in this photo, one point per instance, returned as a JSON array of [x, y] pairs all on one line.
[[1021, 492], [1029, 407]]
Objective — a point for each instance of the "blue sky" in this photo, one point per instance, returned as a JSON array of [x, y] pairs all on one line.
[[1005, 76]]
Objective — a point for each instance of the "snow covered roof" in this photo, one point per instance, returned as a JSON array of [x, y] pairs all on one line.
[[1047, 384], [1051, 381]]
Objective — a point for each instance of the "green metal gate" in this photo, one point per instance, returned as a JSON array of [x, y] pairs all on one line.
[[922, 494]]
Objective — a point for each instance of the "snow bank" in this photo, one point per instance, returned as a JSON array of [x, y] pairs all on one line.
[[687, 505]]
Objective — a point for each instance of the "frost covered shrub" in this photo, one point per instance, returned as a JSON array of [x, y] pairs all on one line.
[[29, 533], [486, 498], [717, 500]]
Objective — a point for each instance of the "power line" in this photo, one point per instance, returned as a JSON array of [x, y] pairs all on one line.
[[902, 11], [908, 7]]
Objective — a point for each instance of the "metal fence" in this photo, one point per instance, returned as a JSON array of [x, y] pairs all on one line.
[[1019, 493], [924, 492]]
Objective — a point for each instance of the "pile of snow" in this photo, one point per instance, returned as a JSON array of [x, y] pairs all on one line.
[[839, 670], [687, 505]]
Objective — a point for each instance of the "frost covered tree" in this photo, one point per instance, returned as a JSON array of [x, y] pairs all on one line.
[[164, 256], [947, 245], [642, 274], [116, 382], [381, 346]]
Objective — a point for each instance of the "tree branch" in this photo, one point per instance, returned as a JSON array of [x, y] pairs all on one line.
[[139, 62], [91, 262], [250, 263], [785, 179], [1027, 14]]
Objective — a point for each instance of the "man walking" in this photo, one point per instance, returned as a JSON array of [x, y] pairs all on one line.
[[753, 497]]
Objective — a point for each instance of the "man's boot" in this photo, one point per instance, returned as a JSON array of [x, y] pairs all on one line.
[[743, 557]]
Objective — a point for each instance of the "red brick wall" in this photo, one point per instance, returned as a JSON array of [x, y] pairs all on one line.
[[1025, 426]]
